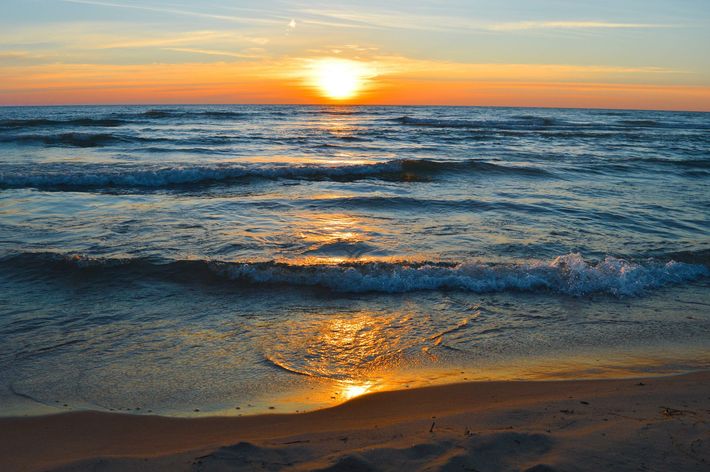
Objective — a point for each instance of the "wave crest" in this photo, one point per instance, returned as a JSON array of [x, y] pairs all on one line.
[[97, 176], [48, 123], [74, 139], [523, 121], [570, 274], [170, 113]]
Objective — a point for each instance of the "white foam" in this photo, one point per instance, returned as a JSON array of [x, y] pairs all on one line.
[[569, 274]]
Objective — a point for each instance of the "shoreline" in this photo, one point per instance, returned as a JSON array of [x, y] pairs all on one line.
[[656, 422]]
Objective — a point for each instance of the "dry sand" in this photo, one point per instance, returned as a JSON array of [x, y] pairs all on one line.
[[650, 424]]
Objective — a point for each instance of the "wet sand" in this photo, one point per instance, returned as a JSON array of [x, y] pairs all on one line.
[[660, 423]]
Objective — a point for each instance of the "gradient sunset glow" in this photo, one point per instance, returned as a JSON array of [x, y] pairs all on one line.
[[611, 54]]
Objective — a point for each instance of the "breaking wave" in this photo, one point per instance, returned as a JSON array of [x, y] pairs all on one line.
[[96, 176], [570, 274]]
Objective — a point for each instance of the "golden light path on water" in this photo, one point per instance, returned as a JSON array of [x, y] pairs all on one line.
[[349, 354], [352, 352], [327, 393]]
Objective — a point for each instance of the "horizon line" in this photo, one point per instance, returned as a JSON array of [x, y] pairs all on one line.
[[670, 110]]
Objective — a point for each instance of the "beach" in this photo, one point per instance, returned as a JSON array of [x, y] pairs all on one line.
[[658, 423]]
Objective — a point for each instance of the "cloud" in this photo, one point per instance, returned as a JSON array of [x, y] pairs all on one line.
[[175, 11], [538, 25], [191, 37], [213, 52], [398, 20]]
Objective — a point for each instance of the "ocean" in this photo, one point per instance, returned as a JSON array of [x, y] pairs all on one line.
[[190, 260]]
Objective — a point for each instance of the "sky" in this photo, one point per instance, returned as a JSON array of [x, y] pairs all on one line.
[[640, 54]]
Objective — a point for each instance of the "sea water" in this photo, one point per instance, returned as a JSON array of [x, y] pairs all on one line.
[[232, 259]]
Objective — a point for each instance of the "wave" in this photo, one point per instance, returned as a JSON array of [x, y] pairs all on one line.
[[170, 113], [686, 163], [116, 120], [95, 176], [158, 113], [81, 140], [115, 176], [570, 274], [522, 121], [389, 203], [538, 120], [701, 257], [639, 123], [47, 123]]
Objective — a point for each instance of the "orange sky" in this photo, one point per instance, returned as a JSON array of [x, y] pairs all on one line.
[[125, 51], [394, 80]]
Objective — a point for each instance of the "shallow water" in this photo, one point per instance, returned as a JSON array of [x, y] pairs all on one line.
[[208, 257]]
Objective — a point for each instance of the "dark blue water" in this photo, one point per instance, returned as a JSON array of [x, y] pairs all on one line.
[[183, 257]]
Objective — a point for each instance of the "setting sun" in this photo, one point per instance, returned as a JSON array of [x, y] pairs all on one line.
[[339, 79]]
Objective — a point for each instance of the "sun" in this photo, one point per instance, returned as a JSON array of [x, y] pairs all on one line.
[[339, 79]]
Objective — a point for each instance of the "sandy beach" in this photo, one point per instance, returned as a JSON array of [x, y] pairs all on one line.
[[628, 424]]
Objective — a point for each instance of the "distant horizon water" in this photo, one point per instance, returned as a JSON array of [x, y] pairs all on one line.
[[335, 104], [192, 259]]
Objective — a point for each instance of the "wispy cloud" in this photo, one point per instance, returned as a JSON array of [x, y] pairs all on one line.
[[213, 52], [384, 19], [177, 11], [539, 25], [191, 37]]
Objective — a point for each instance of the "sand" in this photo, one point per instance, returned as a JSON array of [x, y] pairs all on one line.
[[630, 424]]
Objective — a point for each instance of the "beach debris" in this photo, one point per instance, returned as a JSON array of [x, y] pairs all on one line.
[[567, 412], [433, 423], [583, 402], [671, 412], [640, 384], [665, 411]]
